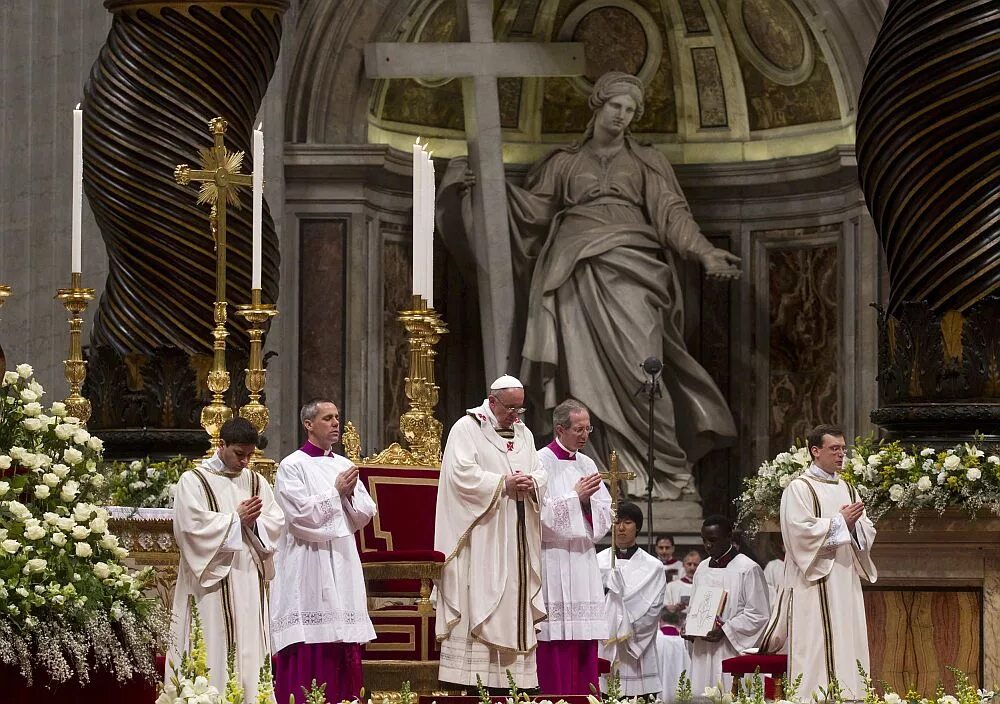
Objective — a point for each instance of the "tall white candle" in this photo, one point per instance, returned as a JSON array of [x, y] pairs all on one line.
[[76, 249], [429, 255], [258, 203], [418, 199]]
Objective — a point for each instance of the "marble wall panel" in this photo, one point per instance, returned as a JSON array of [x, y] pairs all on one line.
[[397, 295], [322, 302]]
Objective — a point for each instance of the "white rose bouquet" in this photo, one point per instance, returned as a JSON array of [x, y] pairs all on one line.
[[761, 497], [144, 483], [67, 602]]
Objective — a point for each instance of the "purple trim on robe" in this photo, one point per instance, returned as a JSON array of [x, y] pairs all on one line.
[[561, 454], [336, 664], [313, 451], [567, 667]]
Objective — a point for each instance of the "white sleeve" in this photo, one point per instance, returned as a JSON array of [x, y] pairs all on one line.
[[838, 535], [234, 538]]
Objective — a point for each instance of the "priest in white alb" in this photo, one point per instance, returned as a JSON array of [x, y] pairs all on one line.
[[488, 526], [576, 513], [227, 526], [319, 606], [828, 539], [740, 625], [635, 587]]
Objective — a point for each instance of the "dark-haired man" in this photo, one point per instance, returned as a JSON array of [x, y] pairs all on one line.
[[634, 598], [828, 540], [741, 623], [227, 526], [672, 567]]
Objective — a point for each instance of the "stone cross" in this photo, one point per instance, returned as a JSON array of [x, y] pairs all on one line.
[[479, 61], [614, 478]]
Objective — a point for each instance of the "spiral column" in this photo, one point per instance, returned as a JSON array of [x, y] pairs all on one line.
[[928, 146]]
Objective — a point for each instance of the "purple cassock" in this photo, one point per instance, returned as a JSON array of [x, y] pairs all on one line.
[[567, 667], [336, 664]]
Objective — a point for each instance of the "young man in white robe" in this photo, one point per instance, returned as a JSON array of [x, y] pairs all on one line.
[[678, 594], [319, 607], [488, 526], [227, 526], [746, 611], [634, 599], [828, 539], [576, 514]]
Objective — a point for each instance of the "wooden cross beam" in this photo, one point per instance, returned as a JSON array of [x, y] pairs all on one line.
[[478, 61]]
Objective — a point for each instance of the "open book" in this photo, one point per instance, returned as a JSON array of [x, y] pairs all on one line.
[[706, 605]]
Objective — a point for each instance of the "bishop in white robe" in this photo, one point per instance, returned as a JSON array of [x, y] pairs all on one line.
[[227, 526], [319, 607], [488, 526], [576, 514], [635, 588], [740, 625], [828, 540]]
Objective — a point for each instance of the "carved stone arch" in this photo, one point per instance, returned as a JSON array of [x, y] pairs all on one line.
[[328, 92]]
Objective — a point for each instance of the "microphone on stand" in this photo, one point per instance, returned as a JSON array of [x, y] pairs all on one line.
[[652, 366]]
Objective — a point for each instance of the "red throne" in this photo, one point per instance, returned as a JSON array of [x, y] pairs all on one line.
[[399, 561], [772, 666]]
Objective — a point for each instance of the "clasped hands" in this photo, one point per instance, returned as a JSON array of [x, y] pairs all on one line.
[[851, 513], [249, 510], [346, 481], [519, 485]]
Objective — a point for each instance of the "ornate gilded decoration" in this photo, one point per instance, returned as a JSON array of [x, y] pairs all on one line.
[[614, 477], [76, 298], [150, 543], [141, 109], [258, 315], [352, 443], [220, 181]]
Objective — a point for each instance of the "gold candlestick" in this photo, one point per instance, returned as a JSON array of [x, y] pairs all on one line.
[[258, 316], [418, 425], [76, 298], [4, 294], [220, 180]]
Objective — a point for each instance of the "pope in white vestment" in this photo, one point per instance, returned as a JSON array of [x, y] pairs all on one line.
[[319, 606], [634, 599], [225, 561], [576, 514], [744, 616], [825, 558], [489, 598]]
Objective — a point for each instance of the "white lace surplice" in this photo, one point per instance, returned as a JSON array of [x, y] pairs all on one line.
[[571, 580], [319, 591]]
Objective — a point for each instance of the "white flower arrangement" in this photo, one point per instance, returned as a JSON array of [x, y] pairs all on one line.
[[144, 483], [67, 602], [888, 477]]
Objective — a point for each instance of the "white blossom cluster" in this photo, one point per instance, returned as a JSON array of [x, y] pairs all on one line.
[[65, 594]]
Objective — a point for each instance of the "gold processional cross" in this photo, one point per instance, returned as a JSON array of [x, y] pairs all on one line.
[[221, 182], [614, 478]]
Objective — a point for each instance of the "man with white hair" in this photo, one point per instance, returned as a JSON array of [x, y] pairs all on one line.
[[488, 526]]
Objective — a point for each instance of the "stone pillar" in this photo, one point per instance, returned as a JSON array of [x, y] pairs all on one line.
[[928, 155]]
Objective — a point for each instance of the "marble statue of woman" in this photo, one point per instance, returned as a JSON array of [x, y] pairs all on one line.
[[599, 225]]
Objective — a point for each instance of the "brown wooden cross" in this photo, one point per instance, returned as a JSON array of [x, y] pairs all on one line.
[[614, 478]]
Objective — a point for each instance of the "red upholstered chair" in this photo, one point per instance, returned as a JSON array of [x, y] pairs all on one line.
[[773, 666]]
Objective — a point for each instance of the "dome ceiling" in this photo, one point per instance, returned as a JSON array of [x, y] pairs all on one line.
[[726, 80]]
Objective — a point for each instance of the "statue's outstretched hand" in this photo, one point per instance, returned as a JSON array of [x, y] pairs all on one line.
[[720, 264]]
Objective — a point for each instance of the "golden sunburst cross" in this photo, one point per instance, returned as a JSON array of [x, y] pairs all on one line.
[[221, 182], [614, 477]]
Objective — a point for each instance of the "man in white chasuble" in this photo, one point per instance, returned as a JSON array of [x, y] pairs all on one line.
[[828, 539], [576, 514], [633, 601], [319, 606], [488, 526], [740, 625], [227, 525]]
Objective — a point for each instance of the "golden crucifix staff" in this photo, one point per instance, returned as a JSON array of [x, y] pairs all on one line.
[[220, 180], [614, 478]]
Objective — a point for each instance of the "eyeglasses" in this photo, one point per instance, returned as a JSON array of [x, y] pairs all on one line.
[[518, 411]]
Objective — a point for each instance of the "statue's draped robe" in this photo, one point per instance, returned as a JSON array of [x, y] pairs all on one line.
[[605, 295], [743, 617], [571, 580], [319, 603], [633, 602], [825, 610], [226, 567], [489, 597]]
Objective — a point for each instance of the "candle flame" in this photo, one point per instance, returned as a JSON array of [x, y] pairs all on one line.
[[77, 106], [260, 127]]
